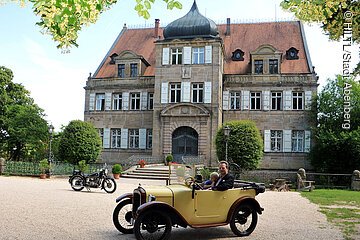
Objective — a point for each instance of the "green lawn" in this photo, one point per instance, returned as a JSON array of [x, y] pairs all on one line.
[[341, 207]]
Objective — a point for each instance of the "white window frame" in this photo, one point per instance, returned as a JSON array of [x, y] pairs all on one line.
[[175, 91], [134, 72], [115, 138], [297, 141], [150, 101], [134, 139], [100, 102], [297, 100], [117, 101], [273, 65], [276, 96], [235, 103], [149, 138], [135, 101], [257, 63], [276, 140], [255, 98], [122, 75], [198, 55], [197, 92], [176, 53]]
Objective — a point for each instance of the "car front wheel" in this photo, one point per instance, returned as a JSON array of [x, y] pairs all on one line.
[[152, 224], [244, 220], [122, 217]]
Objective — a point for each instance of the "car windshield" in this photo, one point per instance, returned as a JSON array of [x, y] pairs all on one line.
[[179, 172]]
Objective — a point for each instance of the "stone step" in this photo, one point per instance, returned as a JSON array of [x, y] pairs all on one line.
[[144, 177], [150, 172]]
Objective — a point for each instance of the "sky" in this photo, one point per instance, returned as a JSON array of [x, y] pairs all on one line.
[[56, 80]]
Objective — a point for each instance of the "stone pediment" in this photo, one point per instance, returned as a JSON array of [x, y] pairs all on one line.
[[184, 109]]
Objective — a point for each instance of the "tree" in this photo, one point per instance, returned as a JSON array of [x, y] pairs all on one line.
[[332, 14], [64, 19], [79, 141], [337, 135], [245, 145]]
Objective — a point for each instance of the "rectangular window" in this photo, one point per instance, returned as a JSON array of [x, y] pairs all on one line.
[[276, 100], [198, 92], [135, 101], [117, 101], [115, 138], [150, 105], [258, 66], [133, 70], [198, 56], [101, 134], [175, 92], [149, 138], [297, 141], [298, 100], [176, 56], [121, 70], [133, 138], [273, 66], [235, 100], [276, 140], [100, 102], [255, 100]]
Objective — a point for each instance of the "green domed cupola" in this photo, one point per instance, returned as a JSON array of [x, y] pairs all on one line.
[[192, 25]]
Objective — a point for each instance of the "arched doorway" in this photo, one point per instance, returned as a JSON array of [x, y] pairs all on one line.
[[184, 142]]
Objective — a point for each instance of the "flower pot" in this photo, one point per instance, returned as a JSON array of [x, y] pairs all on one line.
[[142, 165], [42, 175], [116, 175]]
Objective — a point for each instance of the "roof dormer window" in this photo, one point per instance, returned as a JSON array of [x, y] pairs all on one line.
[[112, 58], [292, 54], [237, 55]]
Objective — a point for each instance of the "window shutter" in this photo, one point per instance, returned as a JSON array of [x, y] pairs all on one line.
[[307, 141], [166, 55], [187, 55], [125, 101], [287, 141], [266, 100], [144, 100], [185, 92], [208, 54], [245, 100], [308, 95], [107, 101], [106, 139], [266, 140], [225, 100], [142, 138], [92, 102], [124, 138], [164, 92], [207, 91], [287, 100]]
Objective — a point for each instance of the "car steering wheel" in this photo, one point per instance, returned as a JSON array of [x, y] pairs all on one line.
[[189, 181]]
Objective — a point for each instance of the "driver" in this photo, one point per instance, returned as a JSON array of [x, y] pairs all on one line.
[[226, 180]]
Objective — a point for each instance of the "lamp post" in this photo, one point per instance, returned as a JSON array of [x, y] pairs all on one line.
[[226, 130], [51, 131]]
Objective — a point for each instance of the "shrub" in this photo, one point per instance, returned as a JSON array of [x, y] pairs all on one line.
[[116, 169], [44, 165], [83, 167], [169, 158]]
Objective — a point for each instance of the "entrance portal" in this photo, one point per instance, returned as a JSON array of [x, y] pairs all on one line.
[[184, 142]]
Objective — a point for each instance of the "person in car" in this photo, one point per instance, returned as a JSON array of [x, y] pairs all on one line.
[[226, 180], [214, 176]]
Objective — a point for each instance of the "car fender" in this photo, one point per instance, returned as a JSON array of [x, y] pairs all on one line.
[[124, 196], [244, 200], [176, 217]]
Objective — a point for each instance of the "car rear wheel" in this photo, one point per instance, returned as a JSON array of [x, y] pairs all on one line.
[[122, 217], [152, 224], [244, 220]]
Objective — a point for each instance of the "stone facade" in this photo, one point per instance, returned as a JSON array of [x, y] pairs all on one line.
[[153, 96]]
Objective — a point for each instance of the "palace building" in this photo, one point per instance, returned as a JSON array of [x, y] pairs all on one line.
[[168, 90]]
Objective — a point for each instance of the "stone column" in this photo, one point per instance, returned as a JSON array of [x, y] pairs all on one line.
[[2, 165], [355, 181]]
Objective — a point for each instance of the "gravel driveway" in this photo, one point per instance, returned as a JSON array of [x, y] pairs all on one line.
[[49, 209]]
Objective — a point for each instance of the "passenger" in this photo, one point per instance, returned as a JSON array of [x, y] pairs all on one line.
[[214, 176], [226, 180]]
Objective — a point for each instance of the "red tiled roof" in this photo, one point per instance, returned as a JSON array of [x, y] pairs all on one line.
[[246, 36]]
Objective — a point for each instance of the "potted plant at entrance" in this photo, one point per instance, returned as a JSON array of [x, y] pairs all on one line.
[[142, 163], [44, 166], [116, 170], [169, 158]]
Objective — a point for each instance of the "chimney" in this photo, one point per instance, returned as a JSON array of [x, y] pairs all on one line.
[[227, 33], [157, 24]]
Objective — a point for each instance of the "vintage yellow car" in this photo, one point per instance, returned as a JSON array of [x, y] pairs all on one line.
[[151, 211]]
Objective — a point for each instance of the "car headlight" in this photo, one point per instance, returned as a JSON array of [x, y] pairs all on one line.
[[151, 198]]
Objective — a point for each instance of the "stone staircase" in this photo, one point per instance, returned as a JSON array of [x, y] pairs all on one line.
[[150, 172]]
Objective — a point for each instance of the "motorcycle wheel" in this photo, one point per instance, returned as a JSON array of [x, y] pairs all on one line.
[[77, 183], [109, 185], [122, 217]]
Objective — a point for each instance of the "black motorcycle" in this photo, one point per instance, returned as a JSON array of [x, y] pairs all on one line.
[[80, 180]]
